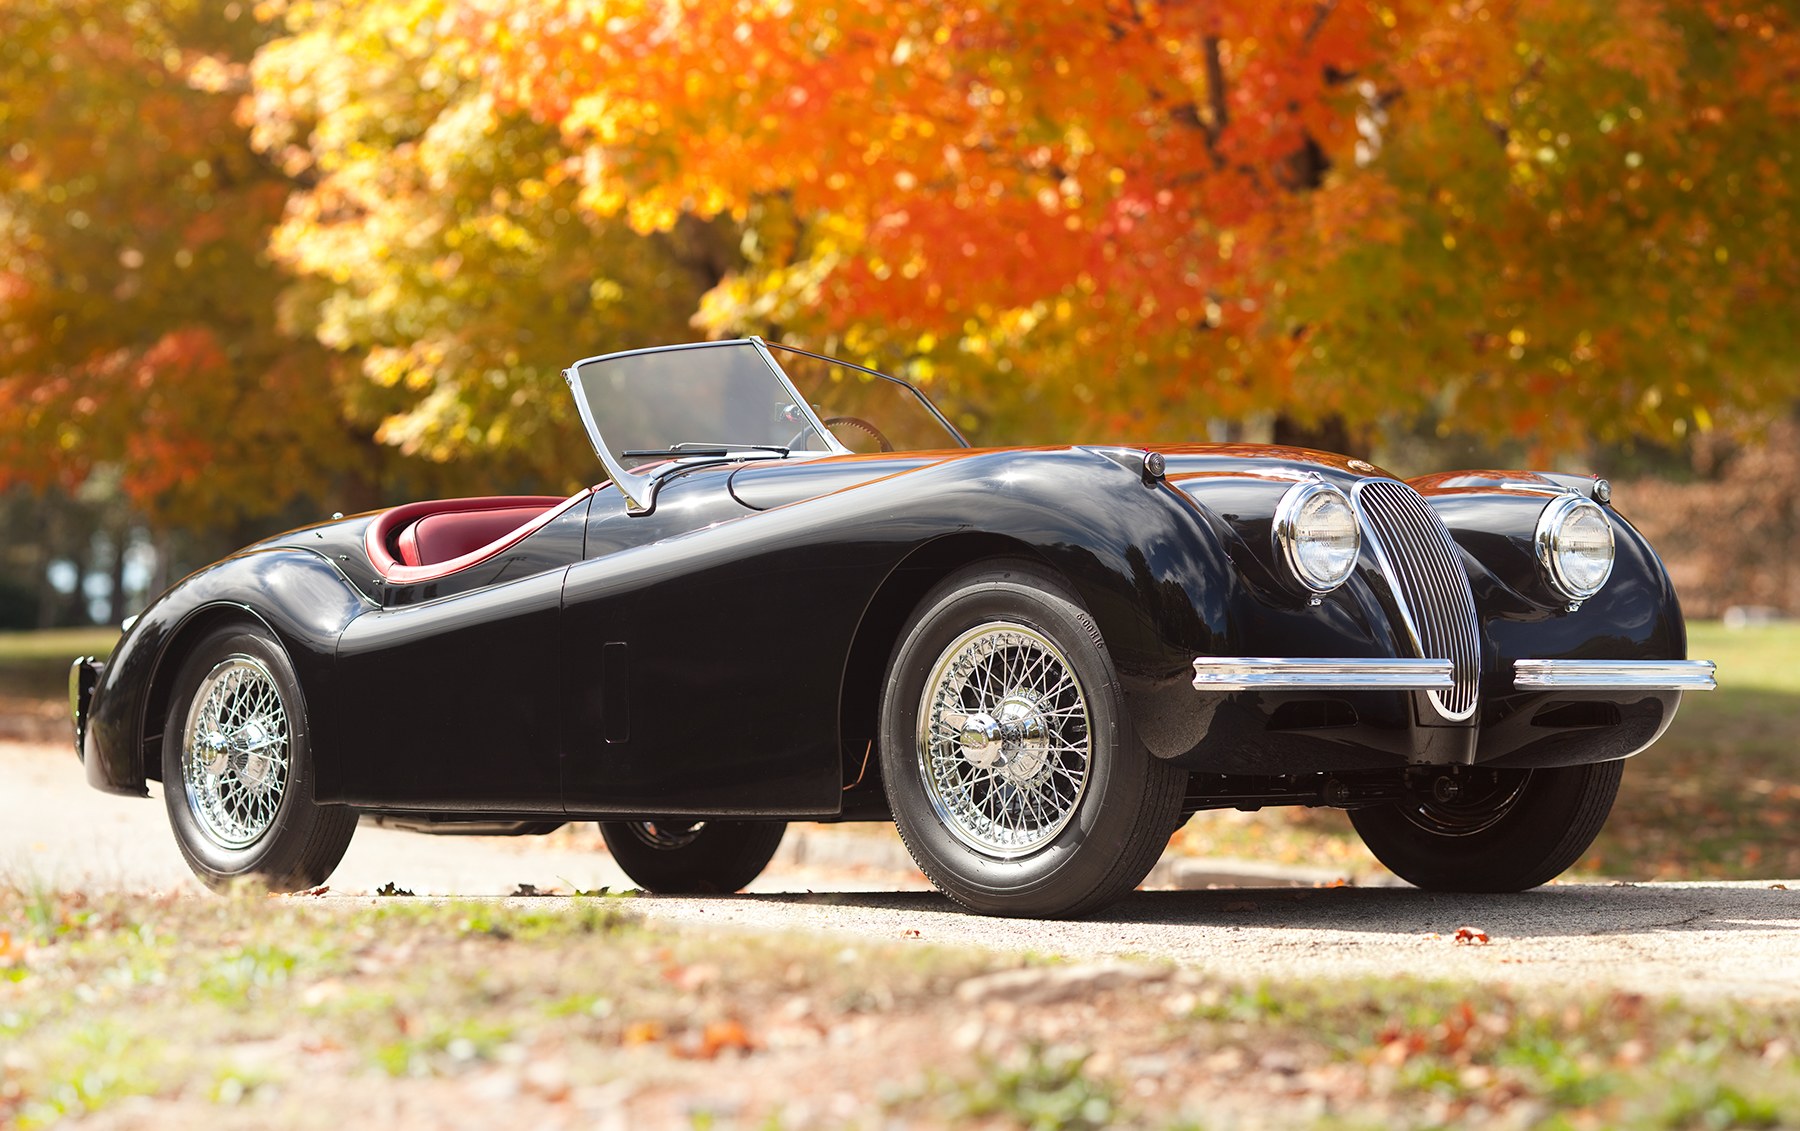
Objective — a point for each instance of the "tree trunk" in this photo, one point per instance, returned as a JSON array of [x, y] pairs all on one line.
[[115, 601], [49, 543], [1332, 434]]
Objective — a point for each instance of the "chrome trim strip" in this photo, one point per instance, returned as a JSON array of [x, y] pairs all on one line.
[[1614, 675], [1270, 673]]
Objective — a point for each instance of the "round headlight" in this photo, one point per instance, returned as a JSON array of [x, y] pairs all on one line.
[[1317, 533], [1575, 545]]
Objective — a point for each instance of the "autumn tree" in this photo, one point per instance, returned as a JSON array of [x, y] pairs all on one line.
[[441, 237], [138, 327], [1539, 218]]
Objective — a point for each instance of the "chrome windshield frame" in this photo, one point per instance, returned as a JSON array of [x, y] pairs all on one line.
[[639, 490]]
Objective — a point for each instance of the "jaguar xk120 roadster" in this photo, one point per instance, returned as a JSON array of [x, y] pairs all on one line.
[[802, 596]]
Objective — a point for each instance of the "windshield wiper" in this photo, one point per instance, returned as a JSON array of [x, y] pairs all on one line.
[[699, 449]]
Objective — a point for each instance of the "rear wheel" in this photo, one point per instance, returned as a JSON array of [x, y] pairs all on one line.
[[1011, 766], [1494, 830], [676, 856], [238, 771]]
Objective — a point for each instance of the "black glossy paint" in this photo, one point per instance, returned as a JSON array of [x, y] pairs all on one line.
[[297, 595], [722, 654]]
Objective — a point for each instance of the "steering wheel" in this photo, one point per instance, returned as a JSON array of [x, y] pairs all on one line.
[[863, 426]]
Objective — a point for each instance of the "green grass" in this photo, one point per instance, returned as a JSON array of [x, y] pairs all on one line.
[[1717, 795], [37, 663], [301, 1010], [1758, 658]]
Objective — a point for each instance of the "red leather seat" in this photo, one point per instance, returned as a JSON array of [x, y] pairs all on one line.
[[441, 537]]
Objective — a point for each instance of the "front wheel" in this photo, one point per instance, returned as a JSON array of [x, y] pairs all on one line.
[[687, 857], [1495, 830], [238, 771], [1010, 763]]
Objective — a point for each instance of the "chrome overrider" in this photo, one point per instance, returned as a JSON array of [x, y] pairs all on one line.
[[1269, 673]]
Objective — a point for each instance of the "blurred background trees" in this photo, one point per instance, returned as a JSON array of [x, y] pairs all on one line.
[[260, 263]]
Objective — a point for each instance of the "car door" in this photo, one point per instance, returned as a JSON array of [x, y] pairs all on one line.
[[692, 686], [450, 704]]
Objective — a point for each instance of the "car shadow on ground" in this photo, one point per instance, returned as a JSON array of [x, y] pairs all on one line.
[[1562, 910]]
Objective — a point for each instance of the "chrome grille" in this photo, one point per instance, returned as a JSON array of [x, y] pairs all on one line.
[[1425, 570]]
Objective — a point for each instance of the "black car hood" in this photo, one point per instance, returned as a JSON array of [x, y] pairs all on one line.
[[764, 485]]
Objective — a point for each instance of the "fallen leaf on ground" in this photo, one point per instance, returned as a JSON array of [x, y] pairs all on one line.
[[1471, 936], [717, 1037]]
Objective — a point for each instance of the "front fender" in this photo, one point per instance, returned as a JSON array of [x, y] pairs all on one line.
[[297, 596], [1635, 616]]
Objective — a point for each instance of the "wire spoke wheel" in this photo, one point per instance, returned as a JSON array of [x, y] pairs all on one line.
[[1011, 766], [236, 749], [237, 767], [1004, 740]]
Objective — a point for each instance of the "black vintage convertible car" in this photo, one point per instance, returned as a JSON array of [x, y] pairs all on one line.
[[801, 595]]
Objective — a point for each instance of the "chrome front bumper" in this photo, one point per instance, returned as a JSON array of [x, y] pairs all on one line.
[[1269, 673], [1614, 675]]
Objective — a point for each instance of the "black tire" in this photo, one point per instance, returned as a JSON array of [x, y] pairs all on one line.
[[688, 857], [237, 812], [1507, 831], [1046, 806]]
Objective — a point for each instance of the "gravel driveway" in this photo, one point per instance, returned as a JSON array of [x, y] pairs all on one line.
[[1738, 940]]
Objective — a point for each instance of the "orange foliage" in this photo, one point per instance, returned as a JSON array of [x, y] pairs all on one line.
[[1184, 211], [137, 304]]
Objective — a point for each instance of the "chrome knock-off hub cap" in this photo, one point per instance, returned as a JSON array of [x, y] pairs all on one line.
[[235, 753], [1003, 740]]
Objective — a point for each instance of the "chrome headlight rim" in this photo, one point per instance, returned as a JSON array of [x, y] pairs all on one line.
[[1551, 523], [1287, 534]]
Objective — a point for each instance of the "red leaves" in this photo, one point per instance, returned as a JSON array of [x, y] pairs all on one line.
[[714, 1038], [1178, 179], [1461, 1036], [1470, 936], [11, 953], [708, 1042]]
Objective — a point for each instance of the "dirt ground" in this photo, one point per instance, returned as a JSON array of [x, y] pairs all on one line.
[[841, 992]]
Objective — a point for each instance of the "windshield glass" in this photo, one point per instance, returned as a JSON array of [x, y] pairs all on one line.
[[865, 411], [733, 400], [710, 396]]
